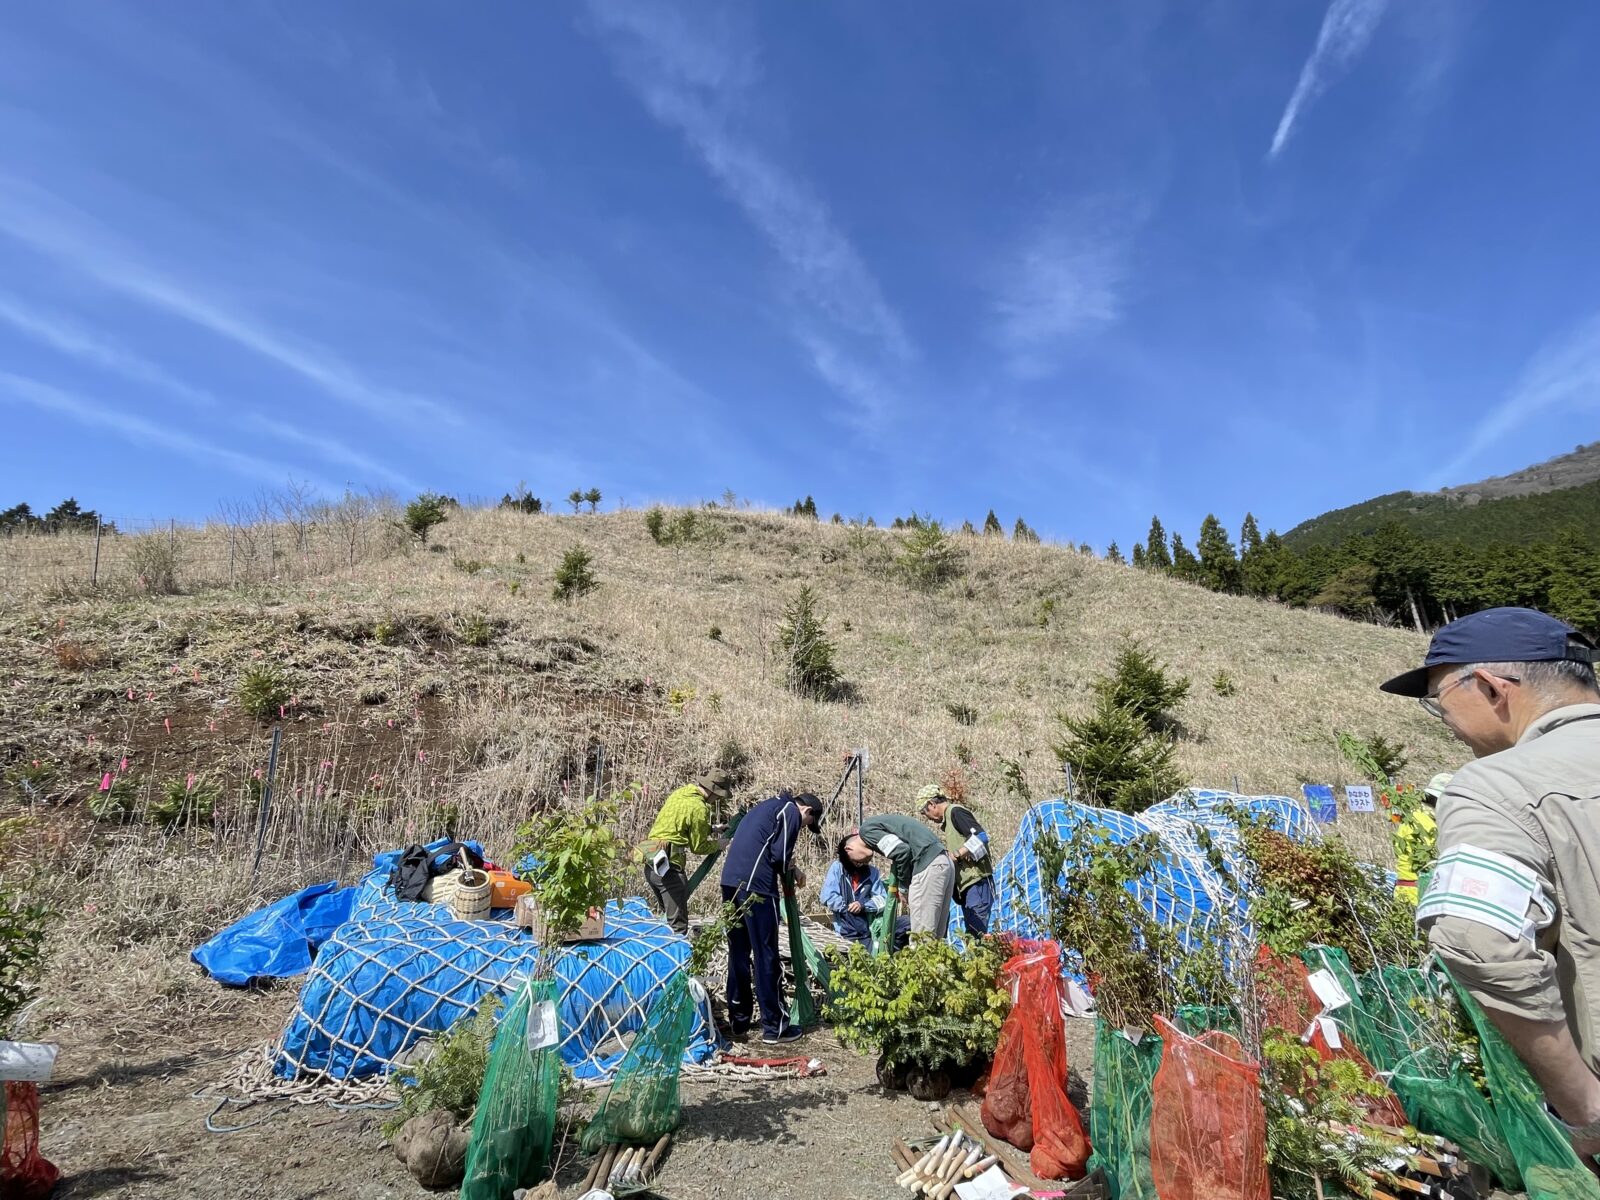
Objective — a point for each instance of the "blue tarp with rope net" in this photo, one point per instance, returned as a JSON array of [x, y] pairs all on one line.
[[399, 971], [1186, 892]]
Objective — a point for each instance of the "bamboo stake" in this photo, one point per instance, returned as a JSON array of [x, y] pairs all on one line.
[[594, 1171], [655, 1156]]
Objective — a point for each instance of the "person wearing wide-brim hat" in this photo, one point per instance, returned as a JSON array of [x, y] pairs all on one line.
[[682, 827], [1512, 907]]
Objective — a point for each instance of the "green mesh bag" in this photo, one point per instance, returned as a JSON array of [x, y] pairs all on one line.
[[1119, 1111], [515, 1123], [1435, 1087], [643, 1102], [1195, 1019], [1551, 1169], [802, 954], [883, 924]]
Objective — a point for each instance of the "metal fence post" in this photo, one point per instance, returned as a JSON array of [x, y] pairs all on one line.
[[94, 571], [232, 533]]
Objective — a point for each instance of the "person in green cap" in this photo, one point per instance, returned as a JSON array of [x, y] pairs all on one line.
[[968, 846], [920, 869], [682, 827]]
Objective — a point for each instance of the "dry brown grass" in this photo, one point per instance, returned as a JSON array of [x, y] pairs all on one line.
[[401, 723]]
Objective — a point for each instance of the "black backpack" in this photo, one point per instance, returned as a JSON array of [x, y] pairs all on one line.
[[417, 866]]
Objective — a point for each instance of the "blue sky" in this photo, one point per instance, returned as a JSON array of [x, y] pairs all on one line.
[[1082, 262]]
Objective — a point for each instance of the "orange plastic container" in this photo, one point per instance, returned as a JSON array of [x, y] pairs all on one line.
[[504, 888]]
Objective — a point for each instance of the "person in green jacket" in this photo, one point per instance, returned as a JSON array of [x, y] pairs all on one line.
[[968, 845], [920, 869], [682, 827]]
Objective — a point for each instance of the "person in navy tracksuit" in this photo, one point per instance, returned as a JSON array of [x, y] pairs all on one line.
[[752, 869]]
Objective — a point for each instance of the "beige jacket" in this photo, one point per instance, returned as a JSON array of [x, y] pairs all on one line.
[[1513, 905]]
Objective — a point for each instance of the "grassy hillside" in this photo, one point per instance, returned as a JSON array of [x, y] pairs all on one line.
[[451, 677], [1475, 517]]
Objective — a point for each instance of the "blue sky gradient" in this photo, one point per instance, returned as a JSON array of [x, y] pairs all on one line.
[[1079, 262]]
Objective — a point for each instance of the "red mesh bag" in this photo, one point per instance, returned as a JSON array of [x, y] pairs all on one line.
[[25, 1174], [1026, 1103], [1208, 1124], [1286, 999]]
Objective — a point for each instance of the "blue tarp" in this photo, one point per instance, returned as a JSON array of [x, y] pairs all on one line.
[[396, 972], [277, 941], [1185, 892]]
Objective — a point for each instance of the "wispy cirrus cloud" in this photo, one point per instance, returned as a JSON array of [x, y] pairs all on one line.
[[22, 390], [1347, 28], [53, 228], [1564, 374], [1063, 283], [68, 338], [693, 80]]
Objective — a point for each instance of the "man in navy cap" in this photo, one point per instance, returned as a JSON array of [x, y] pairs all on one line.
[[1513, 905]]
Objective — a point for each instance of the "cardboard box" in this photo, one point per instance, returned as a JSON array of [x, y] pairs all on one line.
[[527, 916]]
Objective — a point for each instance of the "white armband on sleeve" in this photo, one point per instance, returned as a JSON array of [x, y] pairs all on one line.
[[889, 844], [1489, 888], [975, 847]]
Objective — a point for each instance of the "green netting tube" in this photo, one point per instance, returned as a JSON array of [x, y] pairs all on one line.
[[515, 1124], [803, 1007], [702, 871], [644, 1102], [1195, 1019], [883, 924], [1551, 1169], [1434, 1086], [1119, 1111]]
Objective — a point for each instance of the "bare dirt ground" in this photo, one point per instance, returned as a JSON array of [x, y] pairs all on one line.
[[123, 1118]]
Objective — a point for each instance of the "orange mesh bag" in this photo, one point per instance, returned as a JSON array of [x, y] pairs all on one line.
[[1286, 999], [1208, 1124], [25, 1174], [1026, 1103]]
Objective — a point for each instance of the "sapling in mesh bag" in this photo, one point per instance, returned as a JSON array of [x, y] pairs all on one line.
[[1551, 1169], [1026, 1102], [643, 1102], [514, 1127], [1208, 1123]]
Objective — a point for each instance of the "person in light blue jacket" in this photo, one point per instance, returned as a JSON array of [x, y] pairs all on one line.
[[855, 895]]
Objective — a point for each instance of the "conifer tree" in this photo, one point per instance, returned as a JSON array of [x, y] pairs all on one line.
[[1021, 532], [1114, 554], [1138, 555], [592, 498], [991, 525], [575, 498], [1155, 548], [1219, 565], [1184, 564]]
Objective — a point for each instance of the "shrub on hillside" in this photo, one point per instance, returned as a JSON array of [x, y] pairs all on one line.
[[1119, 761], [185, 802], [263, 691], [928, 558], [806, 650], [23, 925], [1142, 685], [422, 514], [114, 801], [153, 560], [574, 574]]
